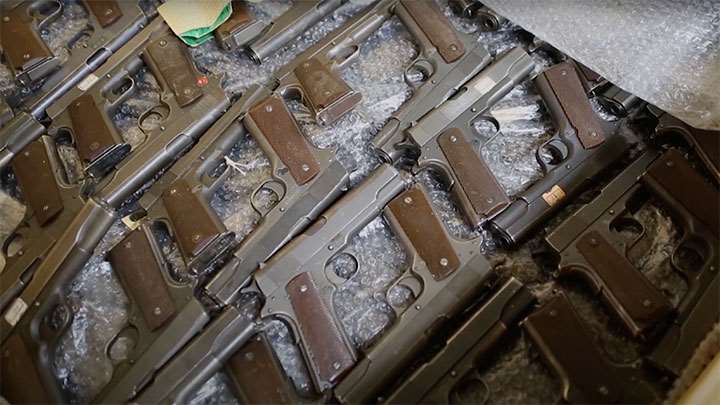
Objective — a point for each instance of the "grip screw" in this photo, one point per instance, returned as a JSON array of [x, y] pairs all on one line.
[[603, 390], [670, 164], [26, 56], [553, 313], [108, 11], [336, 365], [453, 139], [453, 373], [444, 262], [303, 288], [249, 356], [408, 200], [647, 303], [196, 237], [593, 242], [453, 47], [187, 91], [157, 311], [563, 72], [305, 167], [163, 42], [6, 19], [45, 207], [593, 134], [268, 108]]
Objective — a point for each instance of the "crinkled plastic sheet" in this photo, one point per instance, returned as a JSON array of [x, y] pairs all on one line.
[[666, 52], [361, 303]]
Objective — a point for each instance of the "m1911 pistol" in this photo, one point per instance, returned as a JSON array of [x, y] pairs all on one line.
[[435, 380], [589, 242], [112, 24], [440, 140], [583, 147], [568, 348], [243, 31]]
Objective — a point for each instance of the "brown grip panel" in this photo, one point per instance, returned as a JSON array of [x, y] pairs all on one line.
[[20, 41], [171, 64], [193, 226], [241, 15], [707, 144], [437, 27], [569, 92], [20, 382], [642, 302], [417, 219], [275, 122], [567, 346], [92, 136], [134, 260], [477, 182], [37, 182], [258, 376], [329, 97], [106, 11], [329, 355], [673, 173]]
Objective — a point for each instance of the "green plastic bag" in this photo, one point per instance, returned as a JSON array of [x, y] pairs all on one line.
[[199, 35]]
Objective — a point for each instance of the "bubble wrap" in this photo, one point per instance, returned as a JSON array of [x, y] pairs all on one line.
[[374, 258], [666, 52]]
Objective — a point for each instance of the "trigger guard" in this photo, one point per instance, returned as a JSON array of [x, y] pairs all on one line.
[[553, 145], [423, 66], [272, 185], [411, 283], [161, 109]]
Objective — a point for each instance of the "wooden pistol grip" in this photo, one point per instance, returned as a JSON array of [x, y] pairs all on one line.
[[475, 180], [21, 43], [37, 182], [328, 96], [193, 225], [136, 264], [258, 376], [329, 355], [106, 11], [170, 62], [91, 132], [271, 120], [672, 177], [20, 382], [639, 303], [438, 29], [568, 347], [423, 230], [563, 93]]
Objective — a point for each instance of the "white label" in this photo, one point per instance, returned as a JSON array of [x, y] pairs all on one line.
[[87, 82], [16, 311]]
